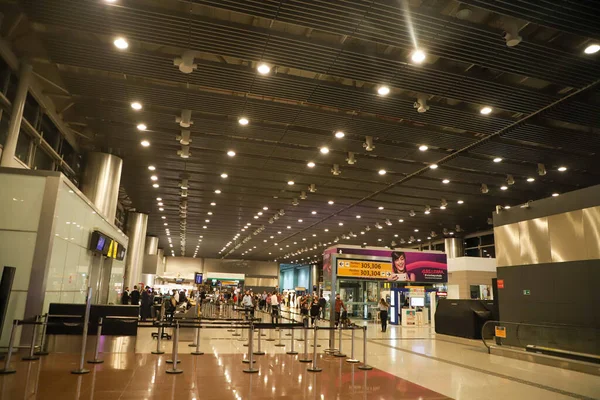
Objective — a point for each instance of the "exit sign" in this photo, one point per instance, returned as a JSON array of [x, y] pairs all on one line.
[[526, 292]]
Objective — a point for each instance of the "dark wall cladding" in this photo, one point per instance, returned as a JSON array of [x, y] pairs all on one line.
[[559, 294]]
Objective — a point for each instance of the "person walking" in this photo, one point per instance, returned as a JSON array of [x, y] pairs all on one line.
[[274, 308], [383, 314], [323, 305], [248, 305], [135, 296], [125, 296], [315, 310], [339, 304]]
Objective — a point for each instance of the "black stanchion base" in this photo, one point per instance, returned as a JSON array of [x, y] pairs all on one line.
[[236, 334], [264, 334], [41, 353], [192, 345], [27, 358], [197, 353], [270, 340], [95, 361], [299, 340], [171, 361], [305, 360], [245, 344], [339, 355], [230, 330], [158, 352], [365, 367], [280, 345], [288, 334], [174, 371], [292, 353], [7, 371], [250, 371], [80, 371], [312, 345], [311, 369], [259, 353], [352, 360], [246, 361]]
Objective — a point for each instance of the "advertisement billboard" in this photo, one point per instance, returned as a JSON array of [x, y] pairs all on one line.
[[403, 266]]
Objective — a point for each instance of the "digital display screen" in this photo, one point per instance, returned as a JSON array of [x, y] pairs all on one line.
[[179, 280], [198, 278], [100, 244], [417, 301]]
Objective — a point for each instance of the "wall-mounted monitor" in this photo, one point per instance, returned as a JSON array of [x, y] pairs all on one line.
[[198, 278], [103, 244]]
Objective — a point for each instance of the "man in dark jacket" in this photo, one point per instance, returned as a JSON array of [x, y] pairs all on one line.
[[125, 296], [145, 310], [135, 296], [323, 305]]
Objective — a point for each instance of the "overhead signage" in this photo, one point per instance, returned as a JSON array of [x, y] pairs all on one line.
[[364, 269]]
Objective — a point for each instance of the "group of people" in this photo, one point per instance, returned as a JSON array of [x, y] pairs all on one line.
[[145, 297]]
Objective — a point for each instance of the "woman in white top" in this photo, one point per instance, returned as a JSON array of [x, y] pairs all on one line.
[[383, 314], [274, 308]]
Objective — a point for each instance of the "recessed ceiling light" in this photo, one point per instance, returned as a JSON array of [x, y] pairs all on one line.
[[497, 160], [121, 43], [423, 147], [154, 177], [213, 204], [165, 224], [416, 230], [263, 69], [142, 127], [442, 207], [259, 213], [218, 191], [383, 90], [341, 224], [380, 208], [145, 143], [460, 202], [290, 183], [555, 195], [418, 56], [485, 110], [155, 185], [339, 134], [358, 216], [400, 220], [507, 207], [163, 217], [159, 199], [231, 153], [310, 164], [324, 150], [330, 202], [313, 212], [224, 175], [161, 209], [503, 187], [299, 220], [265, 208], [530, 179], [446, 181], [433, 166], [243, 121], [209, 213], [592, 49], [204, 227], [136, 105], [562, 169], [382, 172], [151, 167]]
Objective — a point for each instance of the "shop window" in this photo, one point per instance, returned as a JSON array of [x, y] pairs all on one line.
[[23, 145], [489, 251], [50, 133], [472, 242], [472, 252], [487, 240], [42, 160]]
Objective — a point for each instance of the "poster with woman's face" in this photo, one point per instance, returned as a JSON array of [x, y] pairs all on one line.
[[418, 267]]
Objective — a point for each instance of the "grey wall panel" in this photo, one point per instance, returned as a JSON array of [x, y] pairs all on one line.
[[507, 245], [534, 241], [566, 236], [591, 232]]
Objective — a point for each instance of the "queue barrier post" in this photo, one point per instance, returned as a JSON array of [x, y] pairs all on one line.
[[352, 359], [250, 360], [292, 351], [314, 367], [7, 370], [86, 322], [197, 352], [279, 344], [174, 355], [364, 365], [259, 352], [305, 358], [43, 351], [158, 349], [270, 339], [96, 360], [32, 356], [339, 352]]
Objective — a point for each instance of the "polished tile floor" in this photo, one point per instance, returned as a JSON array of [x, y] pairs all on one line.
[[410, 363]]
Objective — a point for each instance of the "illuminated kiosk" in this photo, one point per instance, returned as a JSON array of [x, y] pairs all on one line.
[[363, 275]]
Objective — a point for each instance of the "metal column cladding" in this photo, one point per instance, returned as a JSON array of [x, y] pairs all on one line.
[[101, 180], [454, 247], [151, 246], [136, 230]]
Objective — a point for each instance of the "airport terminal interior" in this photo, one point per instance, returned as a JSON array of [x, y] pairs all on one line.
[[299, 199]]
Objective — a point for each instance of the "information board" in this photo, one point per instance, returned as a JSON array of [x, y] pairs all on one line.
[[364, 269]]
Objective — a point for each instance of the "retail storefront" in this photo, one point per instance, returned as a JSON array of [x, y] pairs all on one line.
[[362, 276]]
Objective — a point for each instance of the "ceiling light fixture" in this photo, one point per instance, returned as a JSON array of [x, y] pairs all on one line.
[[460, 202], [485, 110], [291, 183], [145, 143], [151, 167], [136, 106], [142, 127], [368, 144], [382, 172], [324, 150], [243, 121], [154, 177], [421, 104], [313, 212], [503, 187], [383, 90], [562, 169], [530, 179], [446, 181], [423, 147], [121, 43], [433, 166], [555, 195], [310, 164], [484, 188], [497, 160], [592, 49], [155, 185], [263, 69], [213, 204], [339, 134], [418, 56], [218, 191], [380, 208], [231, 153], [330, 202]]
